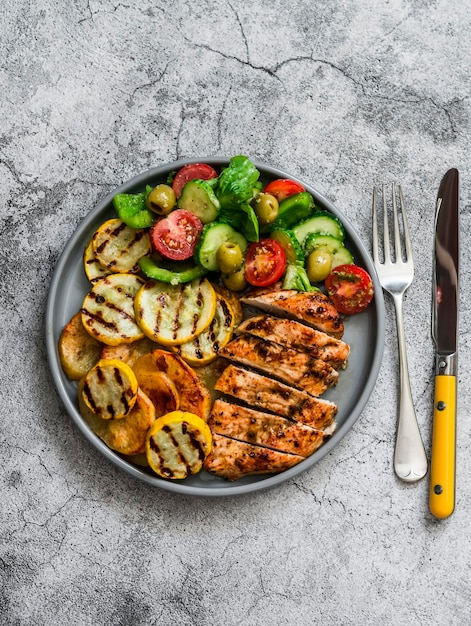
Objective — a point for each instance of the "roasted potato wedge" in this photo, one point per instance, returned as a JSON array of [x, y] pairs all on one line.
[[177, 444], [193, 393], [118, 247], [173, 314], [78, 350], [128, 352], [126, 435], [160, 389], [108, 309], [110, 389]]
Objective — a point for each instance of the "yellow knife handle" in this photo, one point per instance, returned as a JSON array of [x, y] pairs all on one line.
[[442, 466]]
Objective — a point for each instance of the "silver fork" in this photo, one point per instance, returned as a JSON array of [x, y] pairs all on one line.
[[395, 275]]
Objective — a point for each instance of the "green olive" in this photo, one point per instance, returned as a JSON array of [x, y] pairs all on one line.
[[161, 199], [229, 257], [235, 281], [266, 208], [318, 265]]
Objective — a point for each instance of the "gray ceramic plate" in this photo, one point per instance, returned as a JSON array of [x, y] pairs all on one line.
[[364, 333]]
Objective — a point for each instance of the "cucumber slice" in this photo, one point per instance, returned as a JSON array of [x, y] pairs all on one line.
[[211, 237], [339, 253], [322, 223], [289, 243], [199, 198]]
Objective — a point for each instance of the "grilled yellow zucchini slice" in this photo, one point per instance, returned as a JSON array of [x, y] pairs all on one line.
[[108, 309], [110, 389], [204, 348], [174, 314], [93, 269], [126, 435], [118, 247], [193, 393], [78, 350], [177, 444]]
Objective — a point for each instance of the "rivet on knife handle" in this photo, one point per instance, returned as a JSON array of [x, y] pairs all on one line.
[[442, 468]]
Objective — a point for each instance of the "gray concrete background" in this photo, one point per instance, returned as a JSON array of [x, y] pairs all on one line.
[[342, 94]]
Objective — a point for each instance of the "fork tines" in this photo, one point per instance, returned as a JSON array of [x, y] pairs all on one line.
[[393, 211]]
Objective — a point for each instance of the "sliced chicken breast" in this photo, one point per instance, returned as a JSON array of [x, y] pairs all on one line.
[[264, 429], [311, 307], [268, 394], [288, 365], [232, 459], [293, 334]]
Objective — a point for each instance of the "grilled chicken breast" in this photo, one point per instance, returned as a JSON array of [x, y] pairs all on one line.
[[311, 307], [292, 367], [265, 393], [264, 429], [232, 459], [298, 336]]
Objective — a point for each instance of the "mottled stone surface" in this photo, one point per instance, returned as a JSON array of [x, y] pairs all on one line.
[[342, 94]]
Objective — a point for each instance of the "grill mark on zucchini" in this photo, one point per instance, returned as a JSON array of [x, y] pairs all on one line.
[[113, 234]]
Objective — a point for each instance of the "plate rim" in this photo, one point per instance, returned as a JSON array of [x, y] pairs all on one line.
[[228, 489]]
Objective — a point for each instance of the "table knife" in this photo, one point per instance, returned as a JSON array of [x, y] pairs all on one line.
[[445, 305]]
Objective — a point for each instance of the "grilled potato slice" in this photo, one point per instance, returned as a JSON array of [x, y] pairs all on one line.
[[93, 269], [204, 348], [118, 247], [78, 350], [174, 314], [126, 435], [128, 352], [110, 389], [160, 389], [177, 444], [108, 309], [193, 393]]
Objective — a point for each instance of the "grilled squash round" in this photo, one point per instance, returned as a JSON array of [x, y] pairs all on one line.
[[126, 435], [204, 348], [93, 269], [118, 247], [110, 389], [108, 309], [174, 314], [177, 444]]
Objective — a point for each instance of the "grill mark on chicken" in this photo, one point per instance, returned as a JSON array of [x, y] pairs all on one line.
[[264, 429], [232, 459], [298, 336], [312, 308], [285, 364], [261, 392]]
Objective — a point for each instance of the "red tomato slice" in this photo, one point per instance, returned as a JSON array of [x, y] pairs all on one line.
[[350, 288], [282, 188], [265, 262], [203, 171], [175, 236]]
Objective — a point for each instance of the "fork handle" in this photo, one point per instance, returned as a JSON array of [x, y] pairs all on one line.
[[410, 460]]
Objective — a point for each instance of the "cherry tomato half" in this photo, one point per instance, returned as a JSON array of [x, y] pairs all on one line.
[[203, 171], [350, 288], [265, 262], [175, 236], [282, 188]]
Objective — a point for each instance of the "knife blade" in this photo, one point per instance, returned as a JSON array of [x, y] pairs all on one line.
[[445, 306]]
